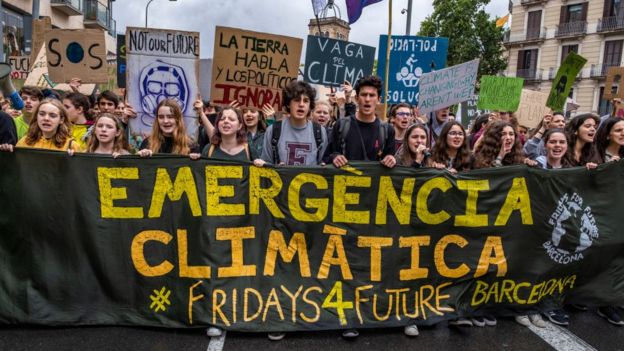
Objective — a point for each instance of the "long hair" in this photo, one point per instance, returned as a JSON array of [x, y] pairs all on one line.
[[63, 132], [262, 125], [491, 145], [241, 135], [588, 152], [565, 162], [181, 141], [602, 137], [440, 149], [404, 155], [120, 142]]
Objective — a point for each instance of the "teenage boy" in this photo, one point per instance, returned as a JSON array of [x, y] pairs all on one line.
[[363, 136], [295, 140], [31, 96], [401, 119]]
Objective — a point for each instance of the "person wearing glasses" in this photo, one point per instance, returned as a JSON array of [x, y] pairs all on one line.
[[401, 117], [452, 150]]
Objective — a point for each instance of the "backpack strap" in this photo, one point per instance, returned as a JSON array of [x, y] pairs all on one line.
[[318, 137], [343, 131], [383, 134], [246, 146], [275, 136]]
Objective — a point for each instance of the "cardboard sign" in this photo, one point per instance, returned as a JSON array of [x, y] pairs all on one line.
[[38, 76], [570, 68], [76, 54], [121, 60], [253, 68], [468, 111], [20, 66], [205, 77], [410, 58], [161, 64], [615, 80], [532, 108], [446, 87], [332, 62], [500, 93], [40, 27]]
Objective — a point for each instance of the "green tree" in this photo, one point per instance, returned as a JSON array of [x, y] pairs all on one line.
[[471, 32]]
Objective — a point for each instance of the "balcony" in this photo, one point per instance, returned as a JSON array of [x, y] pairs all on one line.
[[532, 35], [68, 7], [600, 71], [610, 24], [552, 73], [532, 2], [530, 75], [96, 15], [571, 29]]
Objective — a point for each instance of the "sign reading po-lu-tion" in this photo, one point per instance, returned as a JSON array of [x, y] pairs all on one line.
[[76, 54], [252, 68], [332, 62]]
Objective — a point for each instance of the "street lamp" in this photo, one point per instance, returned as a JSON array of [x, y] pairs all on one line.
[[147, 8], [409, 16]]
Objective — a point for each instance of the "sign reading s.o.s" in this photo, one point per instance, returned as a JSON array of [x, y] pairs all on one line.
[[76, 54]]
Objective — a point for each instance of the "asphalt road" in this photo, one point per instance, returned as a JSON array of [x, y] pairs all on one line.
[[587, 331]]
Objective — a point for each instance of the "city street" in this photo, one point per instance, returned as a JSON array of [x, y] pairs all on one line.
[[587, 332]]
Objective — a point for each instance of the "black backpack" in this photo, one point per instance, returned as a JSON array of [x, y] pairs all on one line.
[[277, 133], [344, 125]]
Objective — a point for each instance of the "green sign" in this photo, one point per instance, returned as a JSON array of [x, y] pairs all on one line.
[[570, 68], [500, 93], [170, 242]]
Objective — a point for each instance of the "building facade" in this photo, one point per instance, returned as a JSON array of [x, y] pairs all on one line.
[[16, 17], [543, 32]]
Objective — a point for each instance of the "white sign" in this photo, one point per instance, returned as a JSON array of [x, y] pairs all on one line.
[[446, 87]]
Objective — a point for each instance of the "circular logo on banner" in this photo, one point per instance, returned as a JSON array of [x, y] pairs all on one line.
[[574, 230], [74, 52]]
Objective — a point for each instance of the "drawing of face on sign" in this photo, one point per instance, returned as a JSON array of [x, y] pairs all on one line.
[[159, 81]]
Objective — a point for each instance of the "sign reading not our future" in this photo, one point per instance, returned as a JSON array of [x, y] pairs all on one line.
[[76, 54], [332, 62]]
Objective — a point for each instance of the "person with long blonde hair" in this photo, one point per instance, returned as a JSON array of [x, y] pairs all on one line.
[[168, 133], [108, 136], [50, 128]]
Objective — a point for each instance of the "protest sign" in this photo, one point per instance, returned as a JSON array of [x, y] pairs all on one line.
[[39, 28], [615, 78], [253, 68], [446, 87], [20, 66], [468, 111], [532, 108], [500, 93], [170, 242], [76, 53], [121, 60], [161, 64], [410, 58], [332, 62], [38, 76], [205, 77], [570, 68]]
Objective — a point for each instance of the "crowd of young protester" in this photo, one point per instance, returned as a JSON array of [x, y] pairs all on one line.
[[317, 132]]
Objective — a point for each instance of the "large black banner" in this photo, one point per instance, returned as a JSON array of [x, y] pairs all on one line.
[[171, 242]]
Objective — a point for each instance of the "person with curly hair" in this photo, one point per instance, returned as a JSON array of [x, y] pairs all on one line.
[[452, 151], [500, 146], [168, 133], [50, 128], [414, 151]]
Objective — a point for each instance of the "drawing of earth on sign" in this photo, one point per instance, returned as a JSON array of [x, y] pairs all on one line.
[[410, 75], [159, 81]]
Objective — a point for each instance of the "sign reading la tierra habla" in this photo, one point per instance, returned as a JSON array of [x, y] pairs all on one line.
[[252, 68]]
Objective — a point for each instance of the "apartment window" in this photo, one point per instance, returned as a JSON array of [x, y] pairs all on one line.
[[567, 49], [534, 23], [613, 8], [612, 53], [13, 33], [604, 106], [527, 63], [573, 13]]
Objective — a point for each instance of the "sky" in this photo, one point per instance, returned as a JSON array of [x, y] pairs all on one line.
[[284, 17]]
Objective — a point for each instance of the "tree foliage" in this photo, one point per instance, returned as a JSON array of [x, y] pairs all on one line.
[[471, 32]]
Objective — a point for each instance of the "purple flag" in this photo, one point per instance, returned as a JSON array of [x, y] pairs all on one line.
[[354, 8]]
